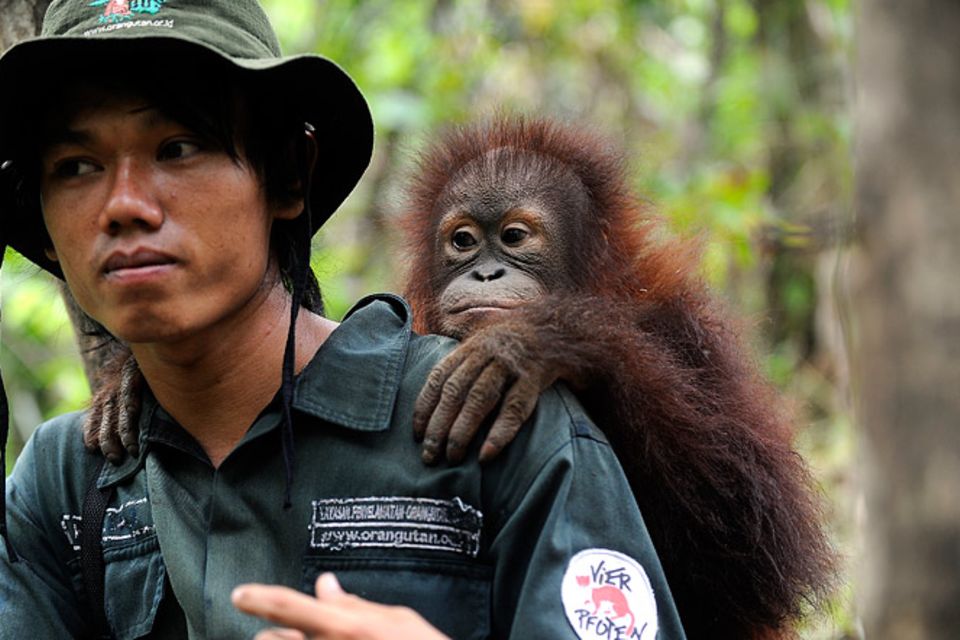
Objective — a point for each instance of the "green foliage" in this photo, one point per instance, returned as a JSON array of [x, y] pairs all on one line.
[[733, 114], [42, 371]]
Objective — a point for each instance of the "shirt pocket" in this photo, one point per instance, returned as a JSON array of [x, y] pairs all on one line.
[[452, 596], [134, 576], [134, 587]]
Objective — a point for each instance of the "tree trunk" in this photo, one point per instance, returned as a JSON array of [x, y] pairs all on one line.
[[908, 300], [20, 19]]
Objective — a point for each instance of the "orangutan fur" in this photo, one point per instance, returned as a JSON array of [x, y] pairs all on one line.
[[706, 443]]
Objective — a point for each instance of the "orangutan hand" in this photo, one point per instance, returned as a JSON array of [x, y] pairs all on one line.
[[332, 615], [501, 364], [111, 423]]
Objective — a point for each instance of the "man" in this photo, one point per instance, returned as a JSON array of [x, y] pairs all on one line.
[[176, 194]]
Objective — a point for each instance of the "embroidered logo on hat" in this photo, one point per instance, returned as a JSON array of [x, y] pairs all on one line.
[[119, 10]]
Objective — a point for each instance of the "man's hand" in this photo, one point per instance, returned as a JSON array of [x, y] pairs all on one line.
[[332, 615]]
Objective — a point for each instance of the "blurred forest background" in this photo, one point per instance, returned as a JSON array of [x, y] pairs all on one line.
[[736, 116]]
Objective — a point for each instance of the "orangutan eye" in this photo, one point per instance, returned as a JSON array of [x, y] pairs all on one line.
[[514, 235], [463, 239]]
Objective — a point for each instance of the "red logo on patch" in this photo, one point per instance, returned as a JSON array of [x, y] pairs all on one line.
[[611, 602]]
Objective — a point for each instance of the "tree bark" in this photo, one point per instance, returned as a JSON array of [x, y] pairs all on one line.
[[20, 19], [908, 298]]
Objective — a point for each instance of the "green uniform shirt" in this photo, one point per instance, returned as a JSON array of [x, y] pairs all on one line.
[[545, 542]]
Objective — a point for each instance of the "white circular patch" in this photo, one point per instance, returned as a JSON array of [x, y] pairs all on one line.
[[607, 594]]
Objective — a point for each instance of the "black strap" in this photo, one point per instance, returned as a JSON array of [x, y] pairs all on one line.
[[4, 430], [303, 232], [91, 552]]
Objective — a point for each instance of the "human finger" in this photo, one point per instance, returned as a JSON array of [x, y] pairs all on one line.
[[278, 633], [432, 390], [517, 407], [452, 397], [334, 614], [483, 397], [328, 588], [286, 607], [369, 620]]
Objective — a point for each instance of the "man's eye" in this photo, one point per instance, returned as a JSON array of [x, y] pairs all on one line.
[[463, 239], [178, 149], [73, 167]]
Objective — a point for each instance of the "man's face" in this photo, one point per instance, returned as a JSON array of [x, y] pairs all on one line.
[[160, 233]]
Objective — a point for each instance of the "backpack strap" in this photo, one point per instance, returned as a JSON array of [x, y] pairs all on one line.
[[91, 551]]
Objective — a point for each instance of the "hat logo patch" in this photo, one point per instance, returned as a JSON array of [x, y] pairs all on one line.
[[607, 595], [119, 10]]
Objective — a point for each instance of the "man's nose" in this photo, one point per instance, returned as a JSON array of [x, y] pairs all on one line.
[[131, 203]]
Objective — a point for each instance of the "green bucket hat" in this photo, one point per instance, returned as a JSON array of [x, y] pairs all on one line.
[[236, 33]]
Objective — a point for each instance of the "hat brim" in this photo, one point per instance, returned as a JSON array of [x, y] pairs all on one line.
[[309, 87]]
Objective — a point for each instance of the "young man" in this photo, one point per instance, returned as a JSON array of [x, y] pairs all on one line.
[[157, 158]]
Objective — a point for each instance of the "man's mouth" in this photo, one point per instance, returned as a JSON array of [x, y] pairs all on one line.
[[138, 259]]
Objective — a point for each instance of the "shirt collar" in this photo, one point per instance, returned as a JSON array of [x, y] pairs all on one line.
[[114, 474], [354, 378], [352, 381]]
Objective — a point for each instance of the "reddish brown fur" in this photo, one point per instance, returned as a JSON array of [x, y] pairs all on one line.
[[704, 440]]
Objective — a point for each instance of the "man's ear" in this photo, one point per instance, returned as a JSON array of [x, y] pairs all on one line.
[[51, 254], [289, 209], [306, 153]]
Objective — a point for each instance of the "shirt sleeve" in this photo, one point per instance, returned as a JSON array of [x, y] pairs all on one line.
[[37, 599], [573, 558]]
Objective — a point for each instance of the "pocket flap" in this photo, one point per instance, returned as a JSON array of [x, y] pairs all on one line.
[[452, 596]]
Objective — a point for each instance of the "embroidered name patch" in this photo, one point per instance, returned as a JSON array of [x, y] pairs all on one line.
[[129, 521], [607, 594], [338, 524]]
